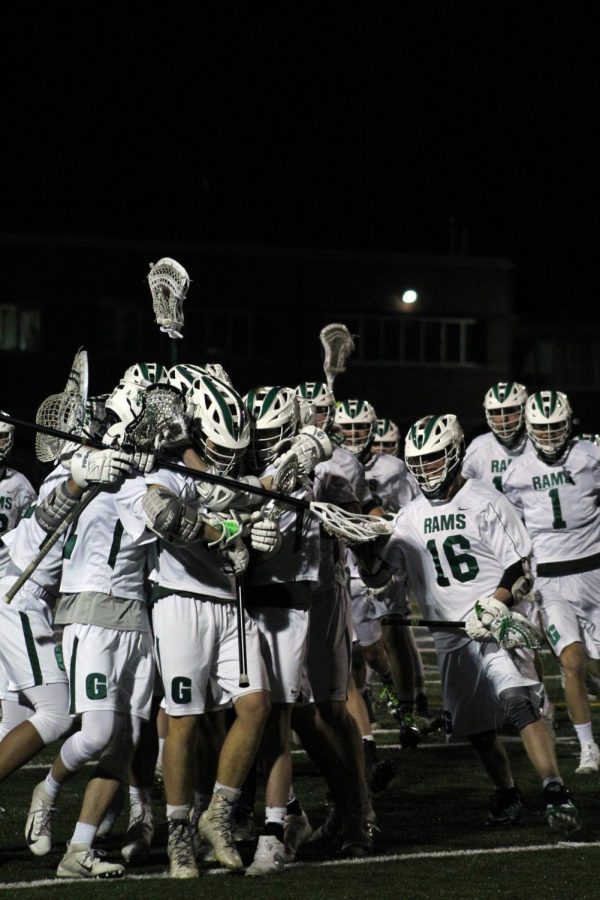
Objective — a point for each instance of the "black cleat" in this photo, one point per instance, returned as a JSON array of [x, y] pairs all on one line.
[[506, 808]]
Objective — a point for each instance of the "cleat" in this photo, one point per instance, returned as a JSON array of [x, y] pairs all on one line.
[[215, 828], [80, 861], [589, 762], [409, 732], [356, 836], [269, 858], [506, 808], [296, 831], [331, 827], [244, 828], [379, 773], [38, 827], [366, 695], [180, 849], [138, 839], [421, 707], [561, 813]]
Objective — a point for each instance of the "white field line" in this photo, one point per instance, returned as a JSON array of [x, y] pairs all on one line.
[[365, 861]]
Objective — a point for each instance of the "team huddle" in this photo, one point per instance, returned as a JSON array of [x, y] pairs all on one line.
[[213, 572]]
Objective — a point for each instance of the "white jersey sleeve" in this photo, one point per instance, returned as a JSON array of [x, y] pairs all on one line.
[[16, 497]]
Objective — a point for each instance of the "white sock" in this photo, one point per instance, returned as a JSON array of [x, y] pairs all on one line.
[[84, 834], [161, 749], [275, 814], [51, 786], [230, 793], [552, 778], [178, 812], [584, 733]]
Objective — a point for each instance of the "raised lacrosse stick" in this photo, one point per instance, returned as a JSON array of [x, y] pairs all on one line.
[[64, 411], [338, 345]]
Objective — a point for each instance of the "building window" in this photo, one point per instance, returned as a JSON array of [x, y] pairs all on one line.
[[413, 341], [19, 328]]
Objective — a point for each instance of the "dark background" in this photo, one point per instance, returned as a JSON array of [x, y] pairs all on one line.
[[403, 127]]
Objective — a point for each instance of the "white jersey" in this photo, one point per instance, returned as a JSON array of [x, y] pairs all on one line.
[[16, 496], [25, 541], [455, 552], [559, 502], [390, 482], [488, 460], [102, 551], [354, 471], [191, 568]]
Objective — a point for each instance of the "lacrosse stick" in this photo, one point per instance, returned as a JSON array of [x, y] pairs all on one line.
[[338, 344], [395, 619], [350, 528], [64, 411], [244, 681], [169, 283]]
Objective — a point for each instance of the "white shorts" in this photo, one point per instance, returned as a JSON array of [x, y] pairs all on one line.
[[28, 649], [391, 601], [197, 651], [473, 677], [569, 606], [329, 659], [109, 669], [367, 629], [284, 646]]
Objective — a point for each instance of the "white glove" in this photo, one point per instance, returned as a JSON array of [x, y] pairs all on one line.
[[237, 557], [522, 588], [310, 446], [476, 630], [99, 466], [265, 535], [144, 462], [509, 629]]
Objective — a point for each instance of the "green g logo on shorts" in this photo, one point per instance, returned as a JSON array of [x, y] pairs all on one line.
[[96, 687], [60, 662], [181, 689], [554, 635]]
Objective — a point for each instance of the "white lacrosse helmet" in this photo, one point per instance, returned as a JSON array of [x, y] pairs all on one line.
[[219, 426], [146, 373], [387, 437], [548, 419], [182, 376], [122, 407], [7, 439], [273, 418], [358, 421], [321, 397], [504, 406], [433, 450]]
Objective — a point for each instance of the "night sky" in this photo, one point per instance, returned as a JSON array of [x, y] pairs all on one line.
[[381, 126]]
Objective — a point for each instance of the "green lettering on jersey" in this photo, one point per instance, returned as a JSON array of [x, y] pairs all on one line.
[[551, 479], [500, 465], [447, 522], [5, 502]]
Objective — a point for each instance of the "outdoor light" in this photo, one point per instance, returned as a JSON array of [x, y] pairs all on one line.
[[409, 297]]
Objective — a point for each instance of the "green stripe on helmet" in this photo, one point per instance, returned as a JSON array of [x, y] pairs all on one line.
[[227, 417], [268, 400]]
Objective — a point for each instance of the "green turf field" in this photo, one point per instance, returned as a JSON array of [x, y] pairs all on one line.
[[431, 842]]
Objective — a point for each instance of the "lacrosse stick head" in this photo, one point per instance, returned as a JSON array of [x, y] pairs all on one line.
[[64, 412], [169, 283], [285, 478], [338, 345], [7, 439], [350, 528]]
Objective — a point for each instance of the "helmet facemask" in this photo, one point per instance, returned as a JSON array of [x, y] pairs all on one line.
[[219, 425], [273, 419], [548, 419], [434, 450], [387, 438], [504, 406], [7, 440], [358, 422], [322, 400]]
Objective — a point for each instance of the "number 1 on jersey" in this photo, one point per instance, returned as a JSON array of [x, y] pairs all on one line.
[[558, 521]]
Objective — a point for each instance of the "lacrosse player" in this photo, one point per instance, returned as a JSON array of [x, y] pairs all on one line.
[[463, 548], [404, 686], [488, 456], [555, 489], [107, 643], [328, 731], [201, 552], [16, 496]]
